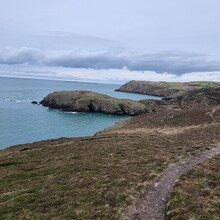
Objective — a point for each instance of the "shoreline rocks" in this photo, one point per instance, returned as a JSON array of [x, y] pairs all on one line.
[[34, 103]]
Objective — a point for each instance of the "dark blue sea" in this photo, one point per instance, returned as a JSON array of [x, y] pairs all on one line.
[[22, 122]]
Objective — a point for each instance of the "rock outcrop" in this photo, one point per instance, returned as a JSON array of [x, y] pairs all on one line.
[[205, 96], [34, 102], [86, 101]]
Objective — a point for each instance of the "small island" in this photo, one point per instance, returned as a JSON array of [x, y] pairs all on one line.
[[86, 101]]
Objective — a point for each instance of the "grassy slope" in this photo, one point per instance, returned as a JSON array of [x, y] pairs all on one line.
[[99, 177], [197, 194]]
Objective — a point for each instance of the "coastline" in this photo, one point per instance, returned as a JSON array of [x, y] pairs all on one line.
[[106, 173]]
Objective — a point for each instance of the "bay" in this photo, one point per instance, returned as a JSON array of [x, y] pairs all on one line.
[[22, 122]]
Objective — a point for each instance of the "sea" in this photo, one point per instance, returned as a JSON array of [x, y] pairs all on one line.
[[23, 122]]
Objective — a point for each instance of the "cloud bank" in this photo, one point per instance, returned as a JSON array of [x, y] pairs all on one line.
[[173, 62]]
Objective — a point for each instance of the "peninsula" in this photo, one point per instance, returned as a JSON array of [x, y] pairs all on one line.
[[165, 89]]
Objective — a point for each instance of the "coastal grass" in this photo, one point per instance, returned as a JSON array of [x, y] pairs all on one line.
[[88, 179], [99, 177], [197, 194]]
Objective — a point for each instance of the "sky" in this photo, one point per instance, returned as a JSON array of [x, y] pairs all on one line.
[[110, 41]]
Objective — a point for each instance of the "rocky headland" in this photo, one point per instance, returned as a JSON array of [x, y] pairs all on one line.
[[86, 101], [183, 97], [165, 89]]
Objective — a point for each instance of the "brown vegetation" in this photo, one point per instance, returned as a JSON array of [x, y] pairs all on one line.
[[99, 177], [197, 194]]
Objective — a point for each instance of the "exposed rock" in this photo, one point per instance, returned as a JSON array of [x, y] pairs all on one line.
[[164, 89], [34, 102], [154, 105], [86, 101], [204, 96], [193, 98]]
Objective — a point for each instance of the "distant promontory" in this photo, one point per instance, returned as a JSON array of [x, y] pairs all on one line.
[[165, 89]]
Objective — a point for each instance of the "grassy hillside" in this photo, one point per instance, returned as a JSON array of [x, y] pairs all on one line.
[[99, 177]]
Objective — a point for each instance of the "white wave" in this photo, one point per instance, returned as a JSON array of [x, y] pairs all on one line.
[[18, 100], [22, 101], [73, 113]]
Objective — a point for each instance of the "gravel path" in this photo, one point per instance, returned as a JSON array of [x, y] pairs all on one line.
[[151, 205]]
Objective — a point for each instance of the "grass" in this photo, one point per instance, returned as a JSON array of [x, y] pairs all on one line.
[[197, 194], [98, 177], [86, 180]]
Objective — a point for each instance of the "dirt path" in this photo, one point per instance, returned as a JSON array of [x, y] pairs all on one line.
[[151, 205]]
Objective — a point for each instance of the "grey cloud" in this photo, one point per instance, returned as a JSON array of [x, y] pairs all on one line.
[[172, 62], [12, 56]]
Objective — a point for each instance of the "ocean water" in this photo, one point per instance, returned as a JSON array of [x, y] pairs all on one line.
[[22, 122]]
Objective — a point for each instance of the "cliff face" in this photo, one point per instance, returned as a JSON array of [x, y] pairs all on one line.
[[164, 89], [86, 101]]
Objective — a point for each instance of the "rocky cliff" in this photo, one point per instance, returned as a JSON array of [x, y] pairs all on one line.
[[86, 101]]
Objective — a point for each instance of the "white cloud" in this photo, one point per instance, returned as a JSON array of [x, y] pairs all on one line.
[[118, 76]]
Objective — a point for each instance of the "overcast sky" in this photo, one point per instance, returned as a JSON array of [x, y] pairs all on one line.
[[173, 40]]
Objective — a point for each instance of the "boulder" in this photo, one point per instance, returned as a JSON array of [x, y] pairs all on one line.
[[34, 102]]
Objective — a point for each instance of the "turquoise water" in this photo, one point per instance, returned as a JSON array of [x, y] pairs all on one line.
[[22, 122]]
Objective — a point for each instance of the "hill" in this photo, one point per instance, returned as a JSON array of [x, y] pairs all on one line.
[[165, 89]]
